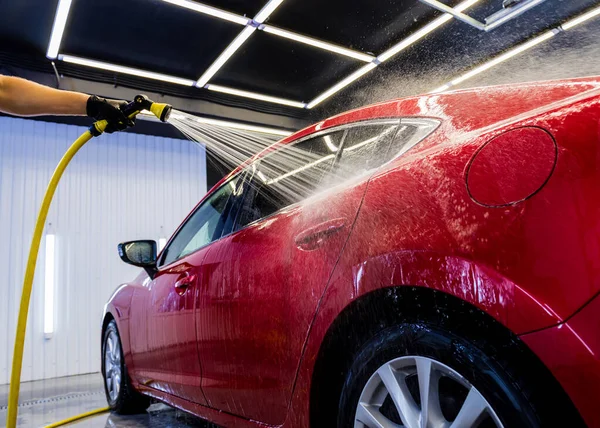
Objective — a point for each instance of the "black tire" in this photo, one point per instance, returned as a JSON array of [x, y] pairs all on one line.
[[504, 389], [127, 400]]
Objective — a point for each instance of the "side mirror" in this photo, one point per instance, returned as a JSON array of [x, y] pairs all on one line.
[[140, 253]]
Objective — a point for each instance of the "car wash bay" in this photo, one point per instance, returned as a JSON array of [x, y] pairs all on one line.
[[265, 68]]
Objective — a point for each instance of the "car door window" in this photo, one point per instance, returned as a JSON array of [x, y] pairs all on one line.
[[204, 226], [287, 176]]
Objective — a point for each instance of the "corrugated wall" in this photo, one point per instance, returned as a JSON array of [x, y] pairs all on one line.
[[119, 187]]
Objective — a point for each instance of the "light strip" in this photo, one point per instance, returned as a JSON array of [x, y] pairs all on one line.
[[505, 56], [341, 85], [580, 19], [225, 55], [49, 276], [209, 10], [492, 63], [243, 126], [223, 123], [390, 53], [418, 35], [267, 10], [125, 70], [58, 29], [317, 43], [254, 95]]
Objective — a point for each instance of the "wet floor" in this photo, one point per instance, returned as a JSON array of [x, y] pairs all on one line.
[[48, 401]]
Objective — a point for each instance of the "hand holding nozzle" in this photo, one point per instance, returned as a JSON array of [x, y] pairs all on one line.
[[116, 115], [112, 111]]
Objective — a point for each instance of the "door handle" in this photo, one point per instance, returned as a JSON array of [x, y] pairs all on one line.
[[313, 237], [182, 285]]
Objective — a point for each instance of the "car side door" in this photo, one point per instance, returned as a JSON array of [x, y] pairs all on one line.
[[268, 275], [163, 333]]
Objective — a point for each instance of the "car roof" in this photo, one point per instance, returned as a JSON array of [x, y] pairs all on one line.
[[461, 110]]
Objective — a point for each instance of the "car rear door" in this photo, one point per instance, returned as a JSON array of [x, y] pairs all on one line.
[[268, 274], [163, 332]]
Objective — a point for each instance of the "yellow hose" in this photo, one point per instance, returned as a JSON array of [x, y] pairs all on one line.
[[77, 417], [15, 376]]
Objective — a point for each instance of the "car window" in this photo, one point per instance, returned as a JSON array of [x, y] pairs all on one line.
[[287, 176], [367, 147], [204, 226]]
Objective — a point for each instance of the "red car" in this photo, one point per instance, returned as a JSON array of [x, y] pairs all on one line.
[[432, 261]]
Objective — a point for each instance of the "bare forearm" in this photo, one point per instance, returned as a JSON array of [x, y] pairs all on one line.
[[24, 98]]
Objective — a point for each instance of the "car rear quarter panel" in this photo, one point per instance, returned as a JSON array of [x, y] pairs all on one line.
[[529, 265]]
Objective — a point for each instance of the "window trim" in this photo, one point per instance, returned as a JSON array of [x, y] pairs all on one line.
[[398, 121]]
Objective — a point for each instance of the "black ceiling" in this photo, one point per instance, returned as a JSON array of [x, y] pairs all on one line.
[[161, 37]]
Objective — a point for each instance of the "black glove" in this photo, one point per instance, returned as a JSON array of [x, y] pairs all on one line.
[[109, 110]]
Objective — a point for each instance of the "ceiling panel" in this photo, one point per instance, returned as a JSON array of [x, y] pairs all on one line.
[[22, 29], [147, 34], [367, 26], [280, 67]]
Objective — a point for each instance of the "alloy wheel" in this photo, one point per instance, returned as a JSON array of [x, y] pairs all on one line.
[[112, 365], [419, 392]]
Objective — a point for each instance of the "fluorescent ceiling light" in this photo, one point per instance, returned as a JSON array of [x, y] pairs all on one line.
[[125, 70], [505, 56], [49, 276], [317, 43], [267, 10], [209, 10], [580, 19], [243, 126], [225, 55], [58, 29], [418, 35], [341, 85], [253, 95]]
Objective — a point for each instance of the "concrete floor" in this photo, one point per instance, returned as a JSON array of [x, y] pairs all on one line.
[[44, 402]]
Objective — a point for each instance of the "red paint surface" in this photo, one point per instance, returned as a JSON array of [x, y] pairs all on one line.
[[511, 167], [242, 342]]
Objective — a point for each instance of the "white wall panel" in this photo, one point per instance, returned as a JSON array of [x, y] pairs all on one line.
[[119, 187]]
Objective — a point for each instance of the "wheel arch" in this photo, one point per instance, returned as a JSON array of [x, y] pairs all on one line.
[[385, 307]]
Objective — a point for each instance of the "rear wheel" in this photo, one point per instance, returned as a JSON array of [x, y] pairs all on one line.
[[121, 396], [422, 376]]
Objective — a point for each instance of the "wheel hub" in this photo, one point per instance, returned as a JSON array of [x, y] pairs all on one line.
[[419, 392]]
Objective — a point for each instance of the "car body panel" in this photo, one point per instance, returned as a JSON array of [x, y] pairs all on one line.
[[259, 299], [530, 265], [163, 347]]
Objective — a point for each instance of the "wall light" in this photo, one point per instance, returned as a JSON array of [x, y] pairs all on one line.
[[49, 277], [58, 29], [125, 70], [254, 95], [209, 10], [317, 43]]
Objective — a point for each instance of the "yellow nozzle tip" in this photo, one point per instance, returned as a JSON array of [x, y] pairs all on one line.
[[161, 111]]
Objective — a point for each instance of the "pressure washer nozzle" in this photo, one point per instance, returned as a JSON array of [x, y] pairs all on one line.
[[162, 111], [142, 102]]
